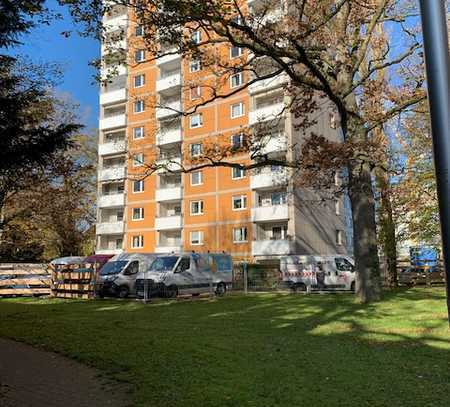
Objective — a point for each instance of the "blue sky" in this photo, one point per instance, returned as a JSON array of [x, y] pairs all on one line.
[[46, 44]]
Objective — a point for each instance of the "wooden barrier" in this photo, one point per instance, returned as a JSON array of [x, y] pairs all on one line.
[[24, 280], [74, 280]]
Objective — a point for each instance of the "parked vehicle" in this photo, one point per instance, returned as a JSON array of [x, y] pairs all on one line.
[[189, 273], [66, 261], [305, 273], [100, 259], [118, 276]]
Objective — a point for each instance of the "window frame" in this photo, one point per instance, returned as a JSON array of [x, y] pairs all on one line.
[[237, 178], [201, 207], [140, 239], [142, 76], [139, 102], [200, 115], [242, 199], [137, 164], [201, 178], [199, 92], [138, 182], [195, 63], [140, 52], [140, 213], [200, 239], [241, 52], [244, 235], [191, 150], [141, 128], [238, 74], [242, 110]]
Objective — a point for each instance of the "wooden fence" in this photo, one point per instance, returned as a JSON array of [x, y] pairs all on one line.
[[74, 281], [24, 280]]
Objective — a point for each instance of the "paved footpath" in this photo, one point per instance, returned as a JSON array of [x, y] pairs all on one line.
[[30, 377]]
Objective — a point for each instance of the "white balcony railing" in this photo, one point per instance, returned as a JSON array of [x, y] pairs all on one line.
[[113, 147], [273, 144], [168, 222], [106, 201], [112, 173], [168, 82], [113, 96], [113, 122], [169, 194], [169, 249], [168, 109], [269, 112], [170, 56], [108, 251], [168, 136], [272, 247], [268, 179], [113, 70], [270, 213], [110, 228], [169, 164], [116, 23], [268, 84]]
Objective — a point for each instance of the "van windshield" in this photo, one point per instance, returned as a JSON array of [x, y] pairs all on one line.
[[113, 267], [163, 263]]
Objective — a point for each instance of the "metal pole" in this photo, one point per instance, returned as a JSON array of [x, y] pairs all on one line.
[[435, 38]]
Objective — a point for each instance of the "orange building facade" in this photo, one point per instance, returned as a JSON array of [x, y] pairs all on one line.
[[252, 216]]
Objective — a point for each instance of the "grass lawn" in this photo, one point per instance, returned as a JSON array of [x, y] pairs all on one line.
[[260, 350]]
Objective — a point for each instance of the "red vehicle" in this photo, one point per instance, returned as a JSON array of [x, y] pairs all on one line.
[[101, 259]]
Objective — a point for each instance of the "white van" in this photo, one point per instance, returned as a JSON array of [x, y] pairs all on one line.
[[305, 273], [190, 273], [118, 276]]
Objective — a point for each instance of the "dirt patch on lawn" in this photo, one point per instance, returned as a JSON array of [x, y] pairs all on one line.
[[33, 377]]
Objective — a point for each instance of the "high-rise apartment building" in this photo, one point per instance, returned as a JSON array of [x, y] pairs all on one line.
[[257, 216]]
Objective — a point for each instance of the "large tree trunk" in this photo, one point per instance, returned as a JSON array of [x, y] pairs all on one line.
[[387, 229], [368, 282]]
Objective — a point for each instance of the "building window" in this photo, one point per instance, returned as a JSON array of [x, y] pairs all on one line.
[[196, 92], [196, 37], [196, 207], [239, 202], [139, 106], [237, 140], [236, 80], [197, 237], [237, 173], [138, 160], [137, 242], [119, 216], [138, 213], [278, 198], [138, 133], [339, 237], [119, 244], [139, 81], [237, 110], [337, 207], [138, 186], [240, 235], [195, 65], [196, 178], [279, 233], [139, 31], [139, 56], [236, 52], [196, 120], [196, 149]]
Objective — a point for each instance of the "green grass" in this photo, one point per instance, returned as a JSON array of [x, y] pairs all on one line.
[[260, 350]]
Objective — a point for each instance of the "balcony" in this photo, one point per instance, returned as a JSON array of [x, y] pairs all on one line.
[[108, 251], [268, 84], [272, 247], [113, 70], [273, 144], [168, 82], [113, 122], [172, 135], [114, 96], [115, 23], [265, 113], [169, 249], [171, 56], [112, 173], [106, 201], [110, 228], [168, 222], [168, 109], [169, 194], [169, 164], [268, 179], [115, 147], [270, 213]]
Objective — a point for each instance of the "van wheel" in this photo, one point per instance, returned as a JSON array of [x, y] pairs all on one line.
[[221, 289], [123, 291], [300, 287], [172, 291], [352, 287]]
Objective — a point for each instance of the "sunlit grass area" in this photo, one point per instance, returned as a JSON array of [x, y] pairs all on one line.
[[260, 350]]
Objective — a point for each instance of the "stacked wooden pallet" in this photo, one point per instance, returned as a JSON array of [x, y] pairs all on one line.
[[74, 280], [24, 280]]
